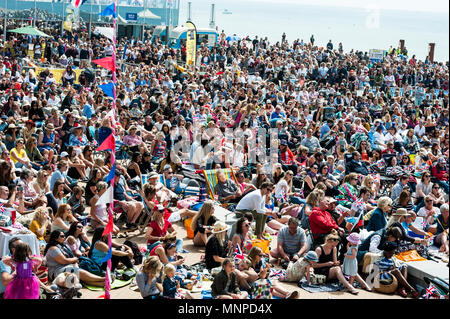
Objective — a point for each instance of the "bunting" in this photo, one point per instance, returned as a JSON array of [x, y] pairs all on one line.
[[108, 89], [108, 144], [108, 63], [109, 10]]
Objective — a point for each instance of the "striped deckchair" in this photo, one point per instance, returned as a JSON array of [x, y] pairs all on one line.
[[211, 180]]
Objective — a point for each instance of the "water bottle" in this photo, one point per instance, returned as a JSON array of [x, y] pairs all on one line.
[[199, 280]]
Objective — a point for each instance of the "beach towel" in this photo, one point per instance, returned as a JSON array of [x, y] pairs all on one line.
[[327, 287], [115, 284]]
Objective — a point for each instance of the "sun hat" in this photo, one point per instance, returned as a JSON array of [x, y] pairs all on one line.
[[64, 154], [49, 126], [283, 142], [354, 238], [219, 227], [77, 126], [401, 212], [12, 126], [311, 255]]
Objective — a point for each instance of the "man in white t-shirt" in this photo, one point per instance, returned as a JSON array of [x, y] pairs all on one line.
[[254, 202]]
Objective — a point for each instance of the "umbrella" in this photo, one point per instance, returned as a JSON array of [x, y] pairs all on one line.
[[30, 30], [233, 38], [148, 14]]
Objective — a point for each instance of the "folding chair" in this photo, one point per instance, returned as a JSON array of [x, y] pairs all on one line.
[[211, 181]]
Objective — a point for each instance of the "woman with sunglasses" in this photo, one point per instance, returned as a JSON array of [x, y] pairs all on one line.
[[60, 259], [62, 219], [77, 240], [311, 179], [328, 264], [348, 191], [437, 195]]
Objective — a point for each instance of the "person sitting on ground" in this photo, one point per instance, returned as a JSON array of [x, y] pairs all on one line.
[[158, 228], [328, 264], [119, 253], [148, 278], [225, 284], [202, 223], [262, 268], [291, 242], [218, 246], [388, 267]]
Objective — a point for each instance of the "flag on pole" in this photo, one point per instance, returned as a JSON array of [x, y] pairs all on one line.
[[77, 3], [110, 226], [108, 89], [107, 32], [108, 11], [112, 173], [107, 197], [108, 144], [108, 63]]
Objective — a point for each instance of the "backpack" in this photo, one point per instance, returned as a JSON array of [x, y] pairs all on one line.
[[137, 255]]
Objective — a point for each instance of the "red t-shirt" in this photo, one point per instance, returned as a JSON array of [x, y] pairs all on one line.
[[157, 231]]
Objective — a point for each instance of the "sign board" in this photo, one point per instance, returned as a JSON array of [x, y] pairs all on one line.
[[376, 55], [211, 40], [129, 16]]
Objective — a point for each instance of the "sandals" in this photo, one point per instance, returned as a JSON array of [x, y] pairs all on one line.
[[354, 292], [402, 292], [292, 295]]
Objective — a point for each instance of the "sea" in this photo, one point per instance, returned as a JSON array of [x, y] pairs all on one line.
[[360, 29]]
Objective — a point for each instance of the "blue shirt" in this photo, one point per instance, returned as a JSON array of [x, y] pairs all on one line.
[[88, 110], [275, 115], [4, 268]]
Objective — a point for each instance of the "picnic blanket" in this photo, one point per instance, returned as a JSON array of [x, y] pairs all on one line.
[[328, 287]]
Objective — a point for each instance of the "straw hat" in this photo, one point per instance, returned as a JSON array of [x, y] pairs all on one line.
[[219, 227], [401, 212], [153, 175], [49, 126]]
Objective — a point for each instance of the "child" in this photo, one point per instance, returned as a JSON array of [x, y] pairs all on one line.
[[350, 265], [148, 278], [388, 268], [25, 284], [301, 268], [225, 284], [171, 286]]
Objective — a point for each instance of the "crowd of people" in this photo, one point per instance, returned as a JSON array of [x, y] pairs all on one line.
[[321, 143]]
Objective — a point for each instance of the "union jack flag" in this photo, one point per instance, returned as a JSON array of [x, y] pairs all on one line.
[[238, 254], [430, 292], [2, 208]]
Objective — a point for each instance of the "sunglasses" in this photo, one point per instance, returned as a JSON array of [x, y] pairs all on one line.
[[62, 236]]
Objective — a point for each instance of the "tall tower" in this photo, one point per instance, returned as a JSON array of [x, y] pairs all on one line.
[[212, 22], [431, 52]]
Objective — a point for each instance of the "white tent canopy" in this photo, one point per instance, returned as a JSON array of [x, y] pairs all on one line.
[[147, 14]]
